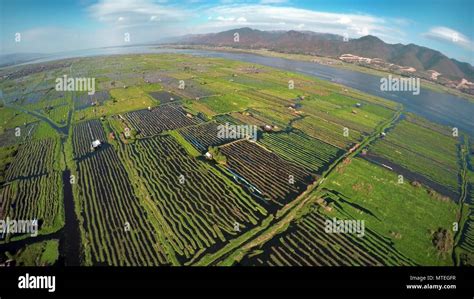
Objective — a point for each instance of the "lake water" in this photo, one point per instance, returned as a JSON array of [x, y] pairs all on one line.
[[441, 108]]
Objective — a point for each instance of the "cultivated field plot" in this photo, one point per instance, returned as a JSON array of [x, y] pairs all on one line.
[[197, 207], [9, 136], [7, 155], [301, 149], [264, 172], [36, 198], [59, 114], [278, 117], [306, 243], [341, 119], [226, 103], [430, 153], [268, 98], [155, 77], [54, 105], [203, 136], [11, 119], [32, 188], [192, 89], [84, 100], [159, 119], [409, 215], [83, 135], [227, 118], [254, 82], [30, 98], [34, 158], [466, 241], [347, 111], [328, 132], [30, 84], [50, 99], [254, 117], [115, 229], [165, 97], [121, 101], [35, 69]]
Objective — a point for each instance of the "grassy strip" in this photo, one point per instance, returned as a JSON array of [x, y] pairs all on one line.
[[186, 145], [44, 253]]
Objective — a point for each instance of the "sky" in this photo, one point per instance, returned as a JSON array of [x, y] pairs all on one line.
[[48, 26]]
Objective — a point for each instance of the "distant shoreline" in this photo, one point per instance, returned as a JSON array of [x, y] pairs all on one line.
[[331, 62], [326, 61]]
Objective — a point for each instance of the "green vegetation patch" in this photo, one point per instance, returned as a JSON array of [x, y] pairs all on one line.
[[301, 149], [37, 254], [422, 150], [407, 214]]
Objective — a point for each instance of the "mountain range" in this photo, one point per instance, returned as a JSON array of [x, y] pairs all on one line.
[[332, 45]]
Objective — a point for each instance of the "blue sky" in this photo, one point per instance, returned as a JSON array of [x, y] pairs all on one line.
[[61, 25]]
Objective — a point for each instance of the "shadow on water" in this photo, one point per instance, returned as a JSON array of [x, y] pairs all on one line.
[[70, 242]]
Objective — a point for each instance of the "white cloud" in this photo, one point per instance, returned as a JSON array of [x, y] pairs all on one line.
[[273, 1], [363, 31], [451, 36], [232, 20], [133, 12], [144, 20], [344, 20], [225, 19], [57, 39]]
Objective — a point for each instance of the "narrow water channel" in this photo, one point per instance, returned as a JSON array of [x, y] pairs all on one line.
[[70, 241]]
